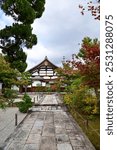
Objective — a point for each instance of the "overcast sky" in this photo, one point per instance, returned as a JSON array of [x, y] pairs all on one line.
[[60, 29]]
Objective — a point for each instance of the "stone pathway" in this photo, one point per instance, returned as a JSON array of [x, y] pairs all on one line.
[[48, 129]]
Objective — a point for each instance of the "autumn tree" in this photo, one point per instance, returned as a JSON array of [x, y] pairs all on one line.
[[19, 35], [85, 65], [88, 63], [66, 75], [93, 7], [81, 75]]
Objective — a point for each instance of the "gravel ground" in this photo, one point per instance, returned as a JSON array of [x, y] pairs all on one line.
[[7, 122]]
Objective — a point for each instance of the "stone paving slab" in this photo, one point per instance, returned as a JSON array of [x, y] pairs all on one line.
[[48, 130], [50, 99], [48, 143], [31, 147], [64, 146]]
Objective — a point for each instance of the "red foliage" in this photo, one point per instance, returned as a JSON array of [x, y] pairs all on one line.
[[94, 9], [88, 62]]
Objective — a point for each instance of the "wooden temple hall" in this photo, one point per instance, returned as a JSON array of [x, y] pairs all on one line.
[[43, 75]]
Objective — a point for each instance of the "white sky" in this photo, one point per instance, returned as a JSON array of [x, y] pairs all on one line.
[[59, 31]]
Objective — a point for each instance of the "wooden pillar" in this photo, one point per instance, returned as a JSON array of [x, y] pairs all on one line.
[[31, 86]]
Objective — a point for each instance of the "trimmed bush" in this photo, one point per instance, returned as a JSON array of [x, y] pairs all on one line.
[[25, 104]]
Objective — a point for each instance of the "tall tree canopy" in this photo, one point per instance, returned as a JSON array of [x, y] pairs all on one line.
[[19, 35]]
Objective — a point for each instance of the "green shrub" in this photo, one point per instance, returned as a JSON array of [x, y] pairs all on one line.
[[2, 102], [10, 95], [83, 100], [68, 99], [25, 104]]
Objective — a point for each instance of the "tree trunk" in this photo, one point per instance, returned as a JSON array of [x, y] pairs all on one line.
[[25, 89], [97, 96]]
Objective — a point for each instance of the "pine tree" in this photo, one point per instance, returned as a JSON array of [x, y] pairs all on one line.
[[19, 35]]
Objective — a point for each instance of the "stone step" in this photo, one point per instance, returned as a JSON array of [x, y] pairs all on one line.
[[48, 105], [48, 108]]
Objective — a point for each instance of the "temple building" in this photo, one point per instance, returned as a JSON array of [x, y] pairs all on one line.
[[42, 75]]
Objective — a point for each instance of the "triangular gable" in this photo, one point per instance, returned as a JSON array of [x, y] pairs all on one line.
[[45, 62]]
